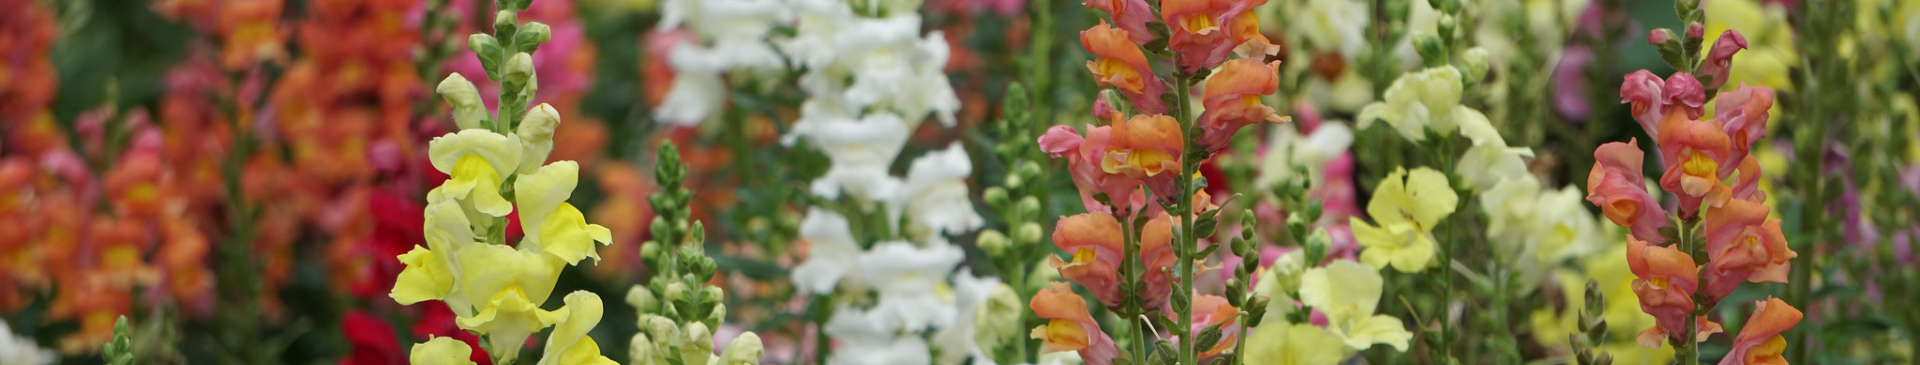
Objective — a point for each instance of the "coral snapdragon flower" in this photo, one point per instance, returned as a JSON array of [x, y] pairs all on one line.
[[1096, 242], [1232, 100], [1070, 327], [1616, 185], [1743, 245], [1203, 32], [1759, 341], [1698, 154], [1665, 280], [1120, 64]]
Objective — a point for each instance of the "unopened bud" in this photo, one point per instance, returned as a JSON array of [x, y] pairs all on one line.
[[640, 350], [641, 298], [532, 36], [1029, 233], [744, 350], [468, 111], [996, 196], [1695, 30], [1430, 48], [993, 242], [536, 136], [1476, 62], [1317, 246], [1028, 208], [519, 71], [1660, 36], [505, 22], [699, 343]]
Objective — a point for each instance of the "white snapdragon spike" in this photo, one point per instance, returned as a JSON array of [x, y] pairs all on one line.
[[833, 251], [692, 97], [935, 196], [1286, 149], [865, 340], [1489, 160], [956, 342], [906, 277], [1335, 25], [22, 350], [861, 151]]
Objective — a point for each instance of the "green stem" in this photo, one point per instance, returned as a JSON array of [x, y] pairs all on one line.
[[1188, 238]]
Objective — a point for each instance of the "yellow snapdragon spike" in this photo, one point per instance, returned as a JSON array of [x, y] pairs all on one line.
[[441, 351], [1348, 293], [425, 278], [556, 227], [569, 344]]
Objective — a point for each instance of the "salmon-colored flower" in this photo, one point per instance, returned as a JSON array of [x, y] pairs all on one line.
[[1685, 95], [1070, 327], [1665, 280], [1096, 242], [1120, 64], [1743, 245], [1203, 32], [1742, 113], [1146, 148], [1698, 154], [1232, 100], [1759, 341], [1616, 185], [1084, 156], [252, 33], [1645, 92], [1130, 15]]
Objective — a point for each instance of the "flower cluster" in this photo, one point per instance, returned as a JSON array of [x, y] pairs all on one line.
[[1721, 234], [678, 310], [1137, 175], [497, 167]]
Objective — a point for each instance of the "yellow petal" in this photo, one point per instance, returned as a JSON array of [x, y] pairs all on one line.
[[542, 191], [568, 343], [441, 351], [502, 152], [1429, 197], [425, 278]]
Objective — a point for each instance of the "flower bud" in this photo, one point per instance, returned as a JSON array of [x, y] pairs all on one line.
[[699, 343], [468, 111], [744, 350], [996, 196], [641, 298], [1720, 59], [1028, 208], [1476, 62], [488, 50], [505, 22], [676, 291], [1660, 36], [536, 136], [640, 350], [1317, 246], [531, 36], [714, 293], [1695, 30], [519, 71], [663, 329], [1029, 233], [1429, 48], [993, 242]]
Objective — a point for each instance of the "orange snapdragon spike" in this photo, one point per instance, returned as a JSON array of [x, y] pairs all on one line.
[[1665, 280], [1120, 64], [252, 33], [1743, 245], [1616, 185], [1069, 326], [1096, 243], [1698, 155], [1232, 100], [1759, 341]]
